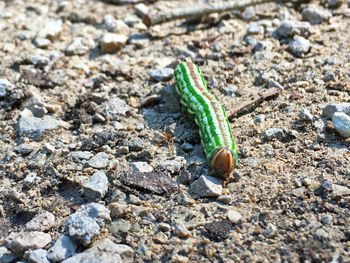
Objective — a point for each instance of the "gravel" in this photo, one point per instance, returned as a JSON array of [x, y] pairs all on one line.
[[206, 186], [341, 122], [63, 248]]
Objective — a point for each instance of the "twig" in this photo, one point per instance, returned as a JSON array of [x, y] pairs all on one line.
[[252, 103], [156, 18]]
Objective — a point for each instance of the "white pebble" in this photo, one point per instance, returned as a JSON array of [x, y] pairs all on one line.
[[341, 123]]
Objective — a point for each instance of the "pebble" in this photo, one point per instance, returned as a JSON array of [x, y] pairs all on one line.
[[41, 42], [52, 30], [84, 155], [116, 26], [141, 9], [327, 184], [274, 84], [315, 15], [273, 133], [298, 192], [99, 161], [37, 256], [85, 224], [327, 219], [335, 3], [230, 90], [233, 216], [38, 111], [5, 85], [270, 230], [77, 47], [288, 29], [119, 227], [124, 149], [321, 234], [206, 186], [161, 238], [305, 115], [226, 199], [97, 187], [112, 42], [173, 166], [341, 122], [34, 128], [116, 109], [142, 167], [42, 222], [259, 118], [331, 108], [21, 242], [6, 256], [25, 34], [139, 40], [299, 46], [187, 147], [103, 251], [63, 248], [248, 14], [182, 231], [254, 29], [50, 149], [218, 230], [340, 191], [163, 74]]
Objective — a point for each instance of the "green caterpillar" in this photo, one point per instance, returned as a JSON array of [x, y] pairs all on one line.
[[210, 116]]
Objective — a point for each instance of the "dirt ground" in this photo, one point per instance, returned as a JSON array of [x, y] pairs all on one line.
[[89, 116]]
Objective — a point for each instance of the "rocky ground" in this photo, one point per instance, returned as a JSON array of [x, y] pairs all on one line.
[[98, 163]]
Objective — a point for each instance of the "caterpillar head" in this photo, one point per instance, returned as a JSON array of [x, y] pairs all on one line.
[[223, 161]]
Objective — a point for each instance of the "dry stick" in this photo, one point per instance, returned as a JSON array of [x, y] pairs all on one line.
[[156, 18], [252, 103]]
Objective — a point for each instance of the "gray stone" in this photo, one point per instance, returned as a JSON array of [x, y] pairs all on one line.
[[274, 84], [206, 186], [259, 118], [315, 15], [254, 29], [21, 242], [42, 222], [136, 144], [141, 9], [234, 216], [37, 256], [63, 248], [6, 256], [116, 109], [288, 29], [97, 187], [41, 42], [327, 184], [162, 74], [230, 90], [181, 230], [38, 111], [52, 30], [30, 178], [273, 133], [78, 46], [335, 3], [173, 166], [331, 108], [305, 115], [270, 230], [321, 234], [248, 14], [99, 161], [84, 155], [34, 128], [298, 192], [139, 40], [251, 41], [25, 34], [341, 123], [299, 46], [327, 219], [38, 61], [103, 251], [142, 167], [340, 191], [187, 147], [85, 224], [5, 85], [116, 26], [112, 43]]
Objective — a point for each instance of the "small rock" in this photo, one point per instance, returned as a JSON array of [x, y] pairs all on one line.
[[230, 90], [327, 184], [327, 219], [305, 115], [142, 167], [254, 29], [97, 187], [52, 30], [251, 41], [331, 108], [298, 192], [335, 3], [341, 123], [299, 46], [288, 29], [116, 109], [270, 230], [273, 133], [187, 147], [306, 181], [259, 118], [248, 14], [41, 42], [50, 149], [25, 34], [42, 222], [38, 111], [5, 85], [6, 256], [30, 178], [112, 43], [173, 166], [274, 84], [21, 242], [84, 155], [206, 186], [163, 74], [63, 248], [182, 231], [103, 251], [77, 47], [124, 149], [141, 9], [321, 234], [226, 199], [37, 256], [161, 238], [233, 216], [116, 26], [139, 40], [218, 230], [340, 191], [99, 161], [315, 15], [34, 127]]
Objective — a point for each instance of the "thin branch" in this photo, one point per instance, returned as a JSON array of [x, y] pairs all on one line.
[[252, 103], [156, 18]]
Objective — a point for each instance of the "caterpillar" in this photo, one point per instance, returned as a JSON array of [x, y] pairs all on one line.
[[210, 116]]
